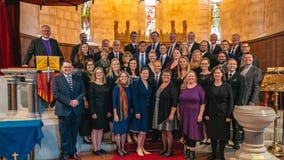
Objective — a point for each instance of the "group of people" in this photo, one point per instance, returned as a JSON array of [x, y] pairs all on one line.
[[188, 86]]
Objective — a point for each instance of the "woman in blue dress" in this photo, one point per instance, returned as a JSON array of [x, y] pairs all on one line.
[[121, 102], [142, 93]]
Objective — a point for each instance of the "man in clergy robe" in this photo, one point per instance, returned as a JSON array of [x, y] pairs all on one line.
[[43, 46], [116, 52], [75, 49], [155, 44], [69, 92], [237, 83], [235, 50], [253, 76], [214, 47], [192, 45], [164, 58], [132, 46], [174, 44]]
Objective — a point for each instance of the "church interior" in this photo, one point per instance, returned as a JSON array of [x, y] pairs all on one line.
[[258, 22]]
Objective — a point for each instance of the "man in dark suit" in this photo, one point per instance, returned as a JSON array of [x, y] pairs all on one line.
[[116, 52], [132, 46], [235, 50], [68, 91], [173, 45], [75, 49], [203, 47], [142, 56], [192, 45], [253, 76], [214, 47], [164, 58], [155, 44], [155, 81], [237, 83], [43, 46]]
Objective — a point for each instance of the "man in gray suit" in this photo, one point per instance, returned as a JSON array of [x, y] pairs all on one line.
[[43, 46], [68, 91], [253, 77]]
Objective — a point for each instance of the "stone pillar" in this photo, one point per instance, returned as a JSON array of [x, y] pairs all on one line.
[[12, 95], [31, 97]]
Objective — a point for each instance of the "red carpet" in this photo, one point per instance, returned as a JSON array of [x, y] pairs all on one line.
[[178, 155], [154, 148]]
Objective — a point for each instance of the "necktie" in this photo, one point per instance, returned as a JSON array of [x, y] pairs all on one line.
[[212, 48], [116, 55], [170, 51], [69, 80], [232, 51], [154, 46], [230, 75], [142, 61], [156, 79], [162, 60]]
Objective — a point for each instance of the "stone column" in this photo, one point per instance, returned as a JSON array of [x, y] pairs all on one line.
[[12, 95], [31, 97]]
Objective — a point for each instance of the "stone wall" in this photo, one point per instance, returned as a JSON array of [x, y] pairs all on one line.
[[251, 19]]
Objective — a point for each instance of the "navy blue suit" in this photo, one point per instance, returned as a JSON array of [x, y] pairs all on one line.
[[157, 50], [68, 116], [142, 102]]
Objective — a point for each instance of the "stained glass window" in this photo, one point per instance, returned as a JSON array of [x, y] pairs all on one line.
[[150, 17], [215, 17], [85, 19]]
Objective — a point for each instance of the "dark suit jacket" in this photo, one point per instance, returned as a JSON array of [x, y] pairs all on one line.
[[167, 60], [36, 48], [157, 50], [217, 49], [131, 49], [237, 83], [175, 47], [252, 85], [194, 47], [238, 53], [63, 95], [111, 56]]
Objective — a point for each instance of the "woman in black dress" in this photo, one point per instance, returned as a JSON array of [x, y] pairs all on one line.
[[164, 113], [99, 104], [85, 123], [205, 79], [218, 111], [111, 77]]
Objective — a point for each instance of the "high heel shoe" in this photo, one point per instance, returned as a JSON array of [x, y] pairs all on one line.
[[145, 152], [139, 152]]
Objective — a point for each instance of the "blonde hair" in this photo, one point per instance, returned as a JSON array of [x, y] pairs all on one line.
[[185, 83], [94, 77], [195, 64], [110, 71], [126, 53], [180, 69]]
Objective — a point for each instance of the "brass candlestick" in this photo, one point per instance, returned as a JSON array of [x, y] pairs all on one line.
[[274, 81], [275, 148]]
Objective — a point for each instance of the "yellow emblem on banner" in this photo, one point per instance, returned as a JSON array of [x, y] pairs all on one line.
[[54, 63], [41, 63]]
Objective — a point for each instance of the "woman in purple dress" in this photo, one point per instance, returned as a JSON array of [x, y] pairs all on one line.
[[191, 108]]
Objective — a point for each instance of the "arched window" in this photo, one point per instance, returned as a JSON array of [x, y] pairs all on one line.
[[85, 19], [215, 17]]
